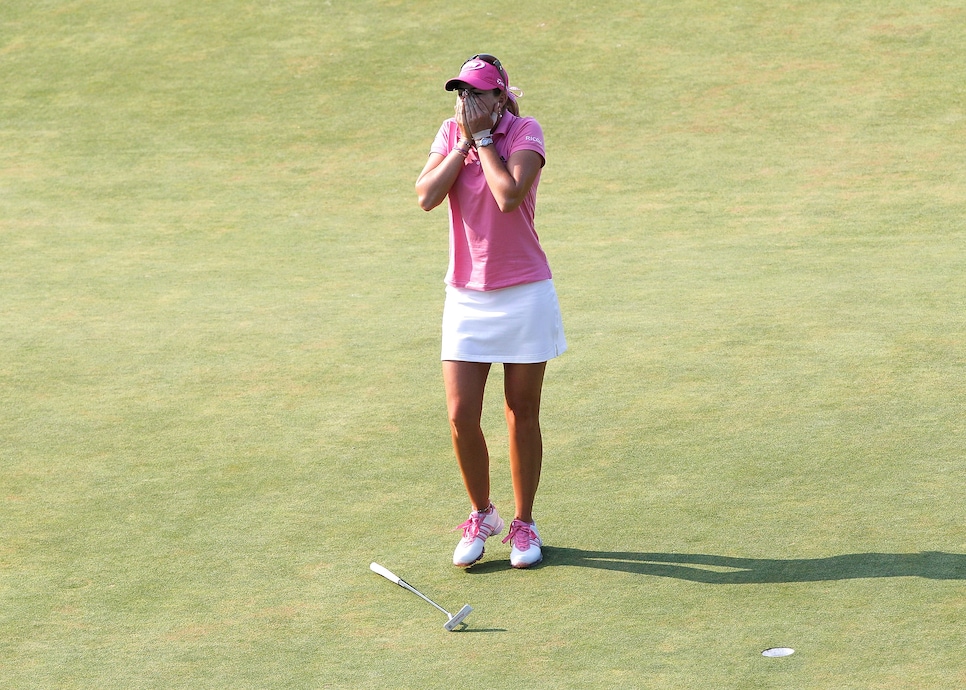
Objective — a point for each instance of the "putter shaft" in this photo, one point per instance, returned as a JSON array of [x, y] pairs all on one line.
[[452, 621], [406, 585]]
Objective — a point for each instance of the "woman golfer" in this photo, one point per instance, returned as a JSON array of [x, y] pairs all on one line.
[[501, 305]]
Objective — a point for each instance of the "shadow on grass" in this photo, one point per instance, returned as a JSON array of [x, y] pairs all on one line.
[[728, 570]]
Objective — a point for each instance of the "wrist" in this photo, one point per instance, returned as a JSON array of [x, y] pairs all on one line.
[[478, 136]]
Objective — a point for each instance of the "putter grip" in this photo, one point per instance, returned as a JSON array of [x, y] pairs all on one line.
[[385, 572]]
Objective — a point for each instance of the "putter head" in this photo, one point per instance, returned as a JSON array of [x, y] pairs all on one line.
[[458, 618]]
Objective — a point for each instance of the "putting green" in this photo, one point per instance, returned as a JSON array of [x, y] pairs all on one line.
[[219, 319]]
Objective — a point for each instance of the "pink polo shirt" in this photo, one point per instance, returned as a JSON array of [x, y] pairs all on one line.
[[489, 249]]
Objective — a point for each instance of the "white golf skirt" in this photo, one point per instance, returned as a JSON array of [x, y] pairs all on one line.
[[514, 325]]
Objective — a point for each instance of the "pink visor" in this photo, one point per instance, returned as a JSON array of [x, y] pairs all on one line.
[[478, 74]]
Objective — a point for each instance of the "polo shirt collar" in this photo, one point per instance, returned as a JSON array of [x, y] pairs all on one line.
[[504, 125]]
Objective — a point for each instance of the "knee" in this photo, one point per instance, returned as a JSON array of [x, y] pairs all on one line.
[[464, 420], [523, 414]]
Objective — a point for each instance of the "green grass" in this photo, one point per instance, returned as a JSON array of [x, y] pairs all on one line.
[[219, 377]]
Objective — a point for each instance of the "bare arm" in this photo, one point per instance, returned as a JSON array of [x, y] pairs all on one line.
[[511, 183], [434, 182], [440, 172]]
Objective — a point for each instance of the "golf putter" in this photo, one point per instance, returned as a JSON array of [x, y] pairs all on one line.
[[450, 624]]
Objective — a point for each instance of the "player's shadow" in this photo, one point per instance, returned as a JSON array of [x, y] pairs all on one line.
[[729, 570]]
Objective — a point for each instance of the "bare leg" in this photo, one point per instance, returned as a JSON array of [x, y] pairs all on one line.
[[523, 384], [465, 384]]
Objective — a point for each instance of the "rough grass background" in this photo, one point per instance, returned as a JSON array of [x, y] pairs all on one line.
[[219, 311]]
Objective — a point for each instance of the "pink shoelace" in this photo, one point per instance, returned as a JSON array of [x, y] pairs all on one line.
[[521, 534], [475, 527]]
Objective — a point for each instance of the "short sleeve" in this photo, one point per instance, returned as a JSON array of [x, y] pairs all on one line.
[[527, 135], [443, 143]]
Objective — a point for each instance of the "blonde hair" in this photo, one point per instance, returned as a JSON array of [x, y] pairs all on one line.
[[513, 94]]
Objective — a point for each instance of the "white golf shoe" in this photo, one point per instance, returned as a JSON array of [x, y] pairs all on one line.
[[526, 544], [476, 529]]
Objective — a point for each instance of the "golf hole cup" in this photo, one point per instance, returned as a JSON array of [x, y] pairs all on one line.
[[778, 652]]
